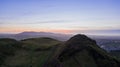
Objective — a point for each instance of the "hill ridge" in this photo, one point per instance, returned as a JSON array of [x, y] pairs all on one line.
[[81, 51]]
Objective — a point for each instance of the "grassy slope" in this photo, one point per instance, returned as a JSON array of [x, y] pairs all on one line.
[[42, 43], [7, 48], [28, 55]]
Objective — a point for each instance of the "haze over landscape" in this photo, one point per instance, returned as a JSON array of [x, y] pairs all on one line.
[[59, 33], [93, 17]]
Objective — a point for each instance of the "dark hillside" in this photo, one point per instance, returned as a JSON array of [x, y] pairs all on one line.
[[78, 51], [33, 52], [81, 51], [7, 48]]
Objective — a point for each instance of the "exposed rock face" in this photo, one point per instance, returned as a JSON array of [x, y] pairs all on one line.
[[81, 51]]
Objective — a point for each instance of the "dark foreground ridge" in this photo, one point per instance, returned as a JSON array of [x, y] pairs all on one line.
[[81, 51], [78, 51]]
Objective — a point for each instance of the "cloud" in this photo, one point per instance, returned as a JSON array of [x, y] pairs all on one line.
[[38, 22], [107, 31], [100, 32], [53, 21]]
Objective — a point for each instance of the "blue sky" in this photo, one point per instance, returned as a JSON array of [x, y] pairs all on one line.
[[65, 16]]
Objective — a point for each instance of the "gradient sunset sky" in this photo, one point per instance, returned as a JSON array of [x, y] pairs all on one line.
[[99, 17]]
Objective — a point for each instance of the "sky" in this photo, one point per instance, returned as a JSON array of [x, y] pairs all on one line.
[[96, 17]]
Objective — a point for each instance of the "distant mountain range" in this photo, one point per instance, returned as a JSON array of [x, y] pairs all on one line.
[[58, 36], [25, 35], [106, 42]]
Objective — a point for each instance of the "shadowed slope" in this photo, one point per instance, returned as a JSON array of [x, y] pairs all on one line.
[[34, 52], [7, 48], [81, 51]]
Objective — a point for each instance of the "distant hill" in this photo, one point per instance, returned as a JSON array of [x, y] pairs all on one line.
[[106, 42], [25, 35], [58, 36]]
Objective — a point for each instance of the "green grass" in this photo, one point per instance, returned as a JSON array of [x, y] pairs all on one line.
[[30, 57], [42, 43]]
